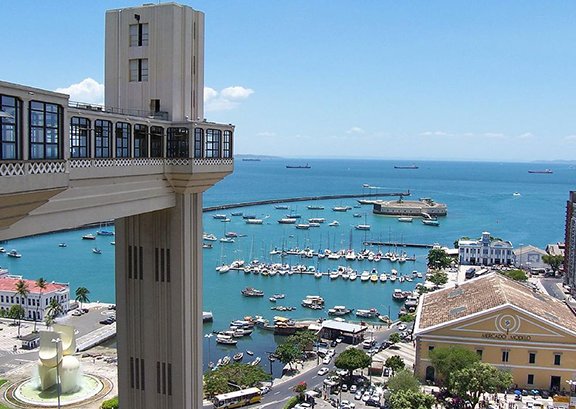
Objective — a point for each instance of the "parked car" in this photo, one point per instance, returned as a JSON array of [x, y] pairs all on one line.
[[401, 327], [358, 395], [338, 340], [353, 388], [386, 371], [326, 360], [323, 371], [344, 387]]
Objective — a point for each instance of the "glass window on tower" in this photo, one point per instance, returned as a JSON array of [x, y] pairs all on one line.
[[138, 34]]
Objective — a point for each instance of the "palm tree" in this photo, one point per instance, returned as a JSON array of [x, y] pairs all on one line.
[[23, 291], [41, 284], [54, 310], [82, 295]]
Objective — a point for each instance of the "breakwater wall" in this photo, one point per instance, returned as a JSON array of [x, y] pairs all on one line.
[[396, 244], [302, 199]]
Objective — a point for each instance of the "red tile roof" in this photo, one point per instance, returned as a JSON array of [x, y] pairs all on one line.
[[9, 284]]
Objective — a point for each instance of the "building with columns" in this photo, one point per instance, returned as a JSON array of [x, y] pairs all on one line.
[[143, 159], [485, 251]]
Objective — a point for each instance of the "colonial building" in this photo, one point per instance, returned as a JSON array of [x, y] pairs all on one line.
[[143, 159], [507, 323], [485, 251], [37, 303], [530, 258]]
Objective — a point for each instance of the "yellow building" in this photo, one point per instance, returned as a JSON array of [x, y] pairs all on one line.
[[507, 323]]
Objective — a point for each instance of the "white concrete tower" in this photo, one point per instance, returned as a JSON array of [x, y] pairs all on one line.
[[155, 61]]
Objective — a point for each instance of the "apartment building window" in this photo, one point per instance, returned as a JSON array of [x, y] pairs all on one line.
[[10, 127], [227, 144], [79, 140], [122, 140], [156, 142], [530, 380], [177, 143], [505, 356], [198, 142], [138, 35], [138, 70], [557, 359], [532, 357], [45, 130], [212, 143], [140, 141], [479, 352], [102, 137]]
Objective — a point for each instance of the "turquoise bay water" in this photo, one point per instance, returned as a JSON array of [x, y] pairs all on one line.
[[479, 198]]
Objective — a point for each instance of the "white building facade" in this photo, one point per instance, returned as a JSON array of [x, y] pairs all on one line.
[[36, 304], [485, 251]]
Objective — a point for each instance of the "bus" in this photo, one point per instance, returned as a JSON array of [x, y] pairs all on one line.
[[237, 399]]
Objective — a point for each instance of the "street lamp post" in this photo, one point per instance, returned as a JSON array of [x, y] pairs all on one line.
[[58, 343]]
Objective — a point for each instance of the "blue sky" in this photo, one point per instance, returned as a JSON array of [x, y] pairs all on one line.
[[490, 80]]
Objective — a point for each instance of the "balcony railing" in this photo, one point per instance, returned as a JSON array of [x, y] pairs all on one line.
[[22, 168], [163, 115]]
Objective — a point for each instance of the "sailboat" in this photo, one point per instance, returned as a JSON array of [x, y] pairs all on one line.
[[364, 226]]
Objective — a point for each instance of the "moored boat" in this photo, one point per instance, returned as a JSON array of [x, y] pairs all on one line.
[[287, 220], [225, 340], [238, 357], [430, 222], [371, 313], [252, 292], [96, 250], [13, 253], [219, 216], [89, 236], [405, 219], [339, 310]]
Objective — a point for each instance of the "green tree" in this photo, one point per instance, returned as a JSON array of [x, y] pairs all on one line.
[[438, 259], [41, 284], [410, 317], [82, 295], [54, 310], [303, 340], [241, 375], [16, 312], [517, 275], [22, 291], [288, 353], [351, 359], [439, 278], [449, 360], [394, 338], [395, 362], [409, 399], [471, 382], [553, 261], [110, 403], [403, 380]]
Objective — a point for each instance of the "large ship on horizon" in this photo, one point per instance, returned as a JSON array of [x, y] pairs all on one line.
[[546, 171], [307, 166], [406, 167]]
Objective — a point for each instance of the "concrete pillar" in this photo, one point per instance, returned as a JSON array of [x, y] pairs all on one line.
[[159, 306]]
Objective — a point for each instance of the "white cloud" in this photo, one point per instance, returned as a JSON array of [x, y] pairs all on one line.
[[526, 135], [355, 130], [226, 99], [433, 133], [87, 90]]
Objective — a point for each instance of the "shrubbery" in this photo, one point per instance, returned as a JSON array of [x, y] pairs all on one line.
[[110, 403]]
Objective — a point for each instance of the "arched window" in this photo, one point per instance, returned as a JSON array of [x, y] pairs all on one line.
[[45, 130], [227, 144], [177, 143], [102, 137], [123, 139], [156, 142], [430, 372], [198, 142], [79, 137], [140, 141], [10, 123]]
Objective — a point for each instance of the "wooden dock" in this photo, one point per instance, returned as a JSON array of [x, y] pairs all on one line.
[[303, 199]]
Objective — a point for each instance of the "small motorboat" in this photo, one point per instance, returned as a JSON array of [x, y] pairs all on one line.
[[62, 245], [2, 250], [96, 250], [256, 361], [14, 253], [238, 357], [89, 236], [334, 223], [250, 353]]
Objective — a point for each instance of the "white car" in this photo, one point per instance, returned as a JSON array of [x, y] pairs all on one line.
[[323, 371], [353, 388], [326, 360], [358, 395], [366, 397], [401, 327]]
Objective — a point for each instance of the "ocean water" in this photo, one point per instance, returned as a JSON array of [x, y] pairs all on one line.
[[479, 197]]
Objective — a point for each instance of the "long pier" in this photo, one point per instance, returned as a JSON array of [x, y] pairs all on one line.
[[396, 244], [302, 199]]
